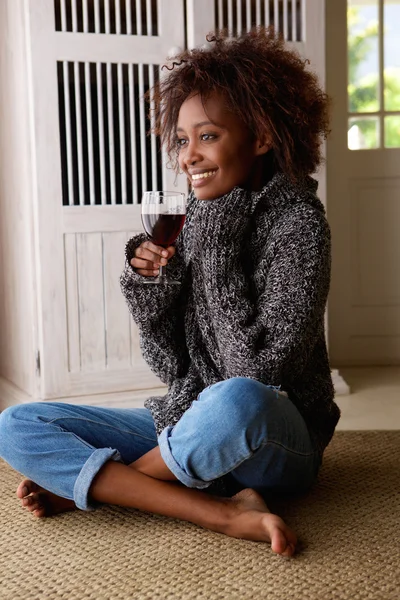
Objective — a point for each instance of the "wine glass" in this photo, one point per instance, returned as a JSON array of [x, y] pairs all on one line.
[[163, 217]]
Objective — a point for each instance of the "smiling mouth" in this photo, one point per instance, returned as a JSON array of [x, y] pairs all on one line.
[[200, 176]]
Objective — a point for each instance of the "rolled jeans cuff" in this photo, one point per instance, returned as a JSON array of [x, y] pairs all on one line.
[[173, 466], [88, 472]]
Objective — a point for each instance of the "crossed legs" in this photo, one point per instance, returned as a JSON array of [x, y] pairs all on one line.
[[152, 481]]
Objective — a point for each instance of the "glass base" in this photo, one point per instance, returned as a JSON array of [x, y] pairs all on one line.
[[160, 281]]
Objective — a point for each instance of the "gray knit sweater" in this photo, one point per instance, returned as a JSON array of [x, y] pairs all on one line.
[[254, 270]]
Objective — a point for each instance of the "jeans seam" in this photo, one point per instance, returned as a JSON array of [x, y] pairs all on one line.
[[305, 454], [53, 421], [259, 448]]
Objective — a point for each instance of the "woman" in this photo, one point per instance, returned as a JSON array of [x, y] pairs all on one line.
[[240, 343]]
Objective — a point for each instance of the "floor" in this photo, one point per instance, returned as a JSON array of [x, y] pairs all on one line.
[[374, 399]]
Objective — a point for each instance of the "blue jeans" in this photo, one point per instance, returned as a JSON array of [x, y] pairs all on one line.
[[239, 428]]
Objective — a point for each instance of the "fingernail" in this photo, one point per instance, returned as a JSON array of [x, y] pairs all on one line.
[[165, 253]]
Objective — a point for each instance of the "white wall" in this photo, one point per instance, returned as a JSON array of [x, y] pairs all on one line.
[[17, 263]]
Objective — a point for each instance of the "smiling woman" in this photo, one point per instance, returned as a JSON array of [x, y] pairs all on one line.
[[240, 342], [260, 84], [216, 150]]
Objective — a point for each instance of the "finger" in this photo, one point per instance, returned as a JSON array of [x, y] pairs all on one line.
[[149, 247], [171, 251], [138, 263], [148, 272], [147, 258], [156, 249], [144, 254]]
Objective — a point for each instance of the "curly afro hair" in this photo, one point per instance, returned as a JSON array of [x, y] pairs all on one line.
[[266, 85]]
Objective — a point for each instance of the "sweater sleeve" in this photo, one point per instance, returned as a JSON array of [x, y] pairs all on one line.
[[269, 335], [158, 310]]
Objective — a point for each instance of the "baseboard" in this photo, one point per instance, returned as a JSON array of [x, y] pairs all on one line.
[[10, 395], [130, 399], [341, 387]]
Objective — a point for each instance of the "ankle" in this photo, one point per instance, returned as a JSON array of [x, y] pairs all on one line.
[[222, 515]]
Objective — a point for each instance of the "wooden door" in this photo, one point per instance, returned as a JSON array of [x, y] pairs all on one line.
[[91, 62], [363, 181]]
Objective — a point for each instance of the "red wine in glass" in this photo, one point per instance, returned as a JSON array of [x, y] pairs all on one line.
[[163, 217], [163, 229]]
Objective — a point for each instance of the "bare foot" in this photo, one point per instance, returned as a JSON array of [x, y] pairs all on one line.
[[40, 502], [251, 520]]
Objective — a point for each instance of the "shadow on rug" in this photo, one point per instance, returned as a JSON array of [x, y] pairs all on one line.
[[348, 525]]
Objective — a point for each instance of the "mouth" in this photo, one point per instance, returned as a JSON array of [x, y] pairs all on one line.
[[200, 179]]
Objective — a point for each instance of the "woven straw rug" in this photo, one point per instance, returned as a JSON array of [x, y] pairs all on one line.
[[349, 527]]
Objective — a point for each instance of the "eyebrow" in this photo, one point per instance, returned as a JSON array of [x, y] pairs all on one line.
[[201, 124]]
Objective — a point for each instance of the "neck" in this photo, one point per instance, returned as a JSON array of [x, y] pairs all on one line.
[[262, 173]]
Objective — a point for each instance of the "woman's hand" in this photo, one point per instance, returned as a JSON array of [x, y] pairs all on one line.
[[149, 257]]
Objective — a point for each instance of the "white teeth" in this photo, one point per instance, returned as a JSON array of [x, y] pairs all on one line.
[[203, 175]]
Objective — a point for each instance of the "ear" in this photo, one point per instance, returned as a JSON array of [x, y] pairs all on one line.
[[262, 147]]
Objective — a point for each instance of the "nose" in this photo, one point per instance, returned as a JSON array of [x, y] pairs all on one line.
[[192, 154]]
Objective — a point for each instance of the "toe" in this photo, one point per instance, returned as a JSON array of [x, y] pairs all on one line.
[[31, 501], [22, 489], [26, 487], [290, 535], [289, 551], [279, 543], [39, 511], [34, 504], [283, 540]]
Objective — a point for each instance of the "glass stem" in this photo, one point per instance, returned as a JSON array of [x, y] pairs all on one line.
[[163, 273]]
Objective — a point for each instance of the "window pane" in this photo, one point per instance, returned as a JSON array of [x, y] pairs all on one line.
[[363, 133], [392, 55], [363, 60], [392, 132]]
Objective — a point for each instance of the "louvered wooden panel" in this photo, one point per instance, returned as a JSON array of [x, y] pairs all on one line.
[[240, 15], [106, 155], [119, 17]]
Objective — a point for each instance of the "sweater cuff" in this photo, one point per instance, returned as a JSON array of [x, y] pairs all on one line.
[[131, 245]]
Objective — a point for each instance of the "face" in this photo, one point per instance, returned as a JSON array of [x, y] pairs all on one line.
[[216, 151]]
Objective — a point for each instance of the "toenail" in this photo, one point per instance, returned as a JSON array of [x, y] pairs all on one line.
[[24, 490]]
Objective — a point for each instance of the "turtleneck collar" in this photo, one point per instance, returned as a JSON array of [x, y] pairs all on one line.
[[280, 191]]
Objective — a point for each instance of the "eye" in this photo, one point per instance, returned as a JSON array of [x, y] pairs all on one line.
[[206, 137], [180, 142]]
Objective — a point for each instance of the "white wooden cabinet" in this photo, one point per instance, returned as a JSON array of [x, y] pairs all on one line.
[[74, 159]]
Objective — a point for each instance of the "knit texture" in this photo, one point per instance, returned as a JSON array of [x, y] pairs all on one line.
[[255, 271]]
